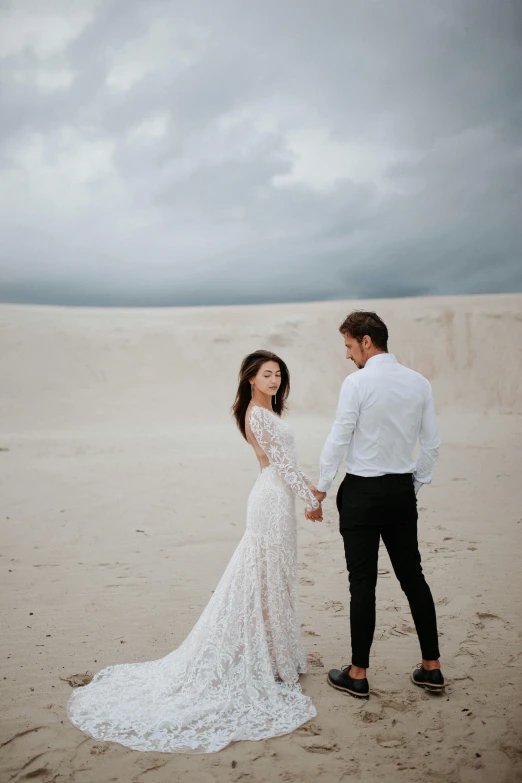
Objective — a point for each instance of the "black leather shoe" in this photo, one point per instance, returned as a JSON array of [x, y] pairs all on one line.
[[343, 682], [432, 680]]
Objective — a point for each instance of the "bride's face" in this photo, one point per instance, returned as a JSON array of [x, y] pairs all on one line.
[[268, 378]]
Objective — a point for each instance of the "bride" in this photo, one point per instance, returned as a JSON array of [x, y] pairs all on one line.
[[235, 677]]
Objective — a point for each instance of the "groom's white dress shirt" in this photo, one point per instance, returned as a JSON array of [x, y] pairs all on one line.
[[384, 409]]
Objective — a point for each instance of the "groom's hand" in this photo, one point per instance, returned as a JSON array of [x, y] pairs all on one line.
[[319, 495]]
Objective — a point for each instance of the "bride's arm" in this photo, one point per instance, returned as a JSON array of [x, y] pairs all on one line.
[[265, 432]]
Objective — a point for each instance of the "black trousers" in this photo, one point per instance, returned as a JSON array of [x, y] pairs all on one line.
[[368, 509]]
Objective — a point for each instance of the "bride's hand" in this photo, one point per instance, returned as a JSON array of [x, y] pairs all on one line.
[[319, 495], [315, 515]]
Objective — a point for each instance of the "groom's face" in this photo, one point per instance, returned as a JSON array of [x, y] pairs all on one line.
[[355, 351]]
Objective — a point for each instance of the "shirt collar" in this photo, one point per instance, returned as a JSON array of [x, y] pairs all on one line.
[[381, 357]]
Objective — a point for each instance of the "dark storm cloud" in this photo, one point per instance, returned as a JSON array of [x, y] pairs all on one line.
[[156, 153]]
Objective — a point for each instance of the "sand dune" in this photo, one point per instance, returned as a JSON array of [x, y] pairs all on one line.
[[124, 485], [110, 367]]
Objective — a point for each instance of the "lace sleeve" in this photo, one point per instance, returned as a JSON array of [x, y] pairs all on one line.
[[265, 432]]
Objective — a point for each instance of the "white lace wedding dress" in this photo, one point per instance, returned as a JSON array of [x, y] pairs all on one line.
[[235, 677]]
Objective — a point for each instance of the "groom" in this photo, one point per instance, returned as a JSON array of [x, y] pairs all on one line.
[[384, 409]]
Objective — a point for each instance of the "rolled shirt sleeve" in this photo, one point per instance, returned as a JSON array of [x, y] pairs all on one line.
[[336, 445]]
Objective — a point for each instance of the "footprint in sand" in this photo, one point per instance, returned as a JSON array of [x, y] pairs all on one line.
[[476, 772], [487, 617], [337, 606], [34, 746], [387, 741], [323, 747], [469, 651], [398, 706], [371, 717], [99, 750], [309, 729], [315, 660], [463, 660], [41, 772], [485, 621], [402, 630]]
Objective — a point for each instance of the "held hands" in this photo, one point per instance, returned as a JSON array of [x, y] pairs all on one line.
[[316, 515], [319, 495]]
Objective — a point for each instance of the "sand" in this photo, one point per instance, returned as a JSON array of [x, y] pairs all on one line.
[[124, 486]]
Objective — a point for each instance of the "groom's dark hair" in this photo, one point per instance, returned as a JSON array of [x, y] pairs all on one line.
[[361, 322]]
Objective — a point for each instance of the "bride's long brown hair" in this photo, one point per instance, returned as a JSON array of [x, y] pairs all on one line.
[[249, 368]]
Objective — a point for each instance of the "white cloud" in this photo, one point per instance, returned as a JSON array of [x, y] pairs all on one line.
[[34, 36], [163, 44], [321, 162], [262, 118], [150, 129], [44, 27], [55, 176], [46, 79]]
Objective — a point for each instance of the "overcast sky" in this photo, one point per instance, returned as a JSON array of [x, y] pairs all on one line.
[[155, 152]]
